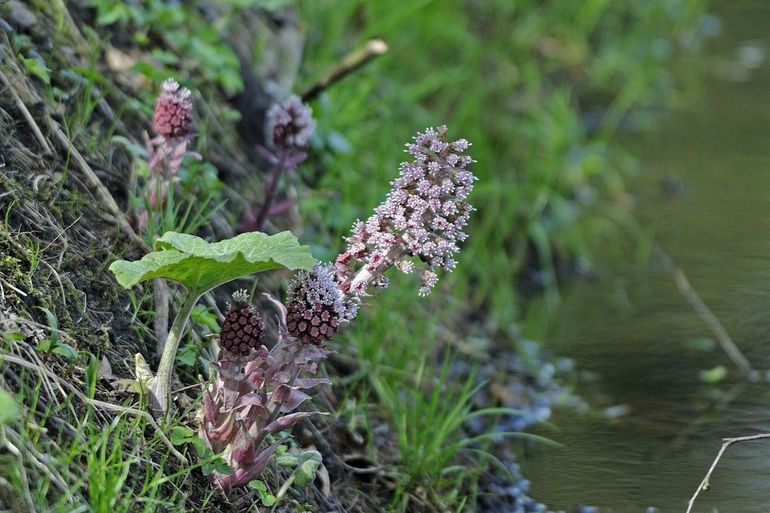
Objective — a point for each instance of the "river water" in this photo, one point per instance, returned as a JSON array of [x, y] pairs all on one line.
[[704, 193]]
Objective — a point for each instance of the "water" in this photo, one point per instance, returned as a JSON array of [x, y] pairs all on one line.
[[705, 194]]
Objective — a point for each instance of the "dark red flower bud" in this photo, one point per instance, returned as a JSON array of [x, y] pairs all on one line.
[[243, 329], [316, 306]]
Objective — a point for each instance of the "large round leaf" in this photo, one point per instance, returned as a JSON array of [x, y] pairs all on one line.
[[201, 266]]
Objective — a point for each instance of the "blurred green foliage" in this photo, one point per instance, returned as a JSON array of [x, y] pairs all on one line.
[[539, 87], [177, 35]]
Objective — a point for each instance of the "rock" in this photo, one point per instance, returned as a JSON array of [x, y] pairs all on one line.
[[20, 15]]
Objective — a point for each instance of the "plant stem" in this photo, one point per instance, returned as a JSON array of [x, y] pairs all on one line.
[[270, 190], [159, 392]]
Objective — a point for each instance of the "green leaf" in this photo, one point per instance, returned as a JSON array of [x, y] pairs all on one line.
[[181, 434], [258, 485], [196, 442], [8, 408], [44, 345], [201, 266], [287, 460], [65, 350], [38, 69], [305, 473], [267, 498], [53, 323], [187, 355], [713, 376], [203, 315], [221, 466]]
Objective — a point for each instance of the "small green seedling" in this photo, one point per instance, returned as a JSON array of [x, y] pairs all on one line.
[[53, 343], [265, 497], [305, 465], [210, 462]]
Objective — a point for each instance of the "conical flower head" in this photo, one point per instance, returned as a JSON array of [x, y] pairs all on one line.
[[173, 111], [316, 306], [423, 217], [243, 329]]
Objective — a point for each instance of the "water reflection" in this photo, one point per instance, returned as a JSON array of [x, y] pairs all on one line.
[[645, 350]]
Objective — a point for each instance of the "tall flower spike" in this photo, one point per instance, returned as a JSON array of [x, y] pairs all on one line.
[[423, 216], [317, 306], [173, 111], [290, 123]]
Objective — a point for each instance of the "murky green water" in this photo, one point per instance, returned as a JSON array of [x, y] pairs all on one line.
[[633, 331]]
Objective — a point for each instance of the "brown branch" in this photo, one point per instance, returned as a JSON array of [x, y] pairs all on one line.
[[350, 63], [705, 313], [726, 442], [47, 150]]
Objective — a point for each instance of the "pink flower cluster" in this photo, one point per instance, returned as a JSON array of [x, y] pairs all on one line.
[[317, 306], [172, 123], [423, 216], [256, 391], [173, 111]]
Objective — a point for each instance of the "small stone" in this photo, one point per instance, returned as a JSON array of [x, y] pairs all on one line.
[[20, 15]]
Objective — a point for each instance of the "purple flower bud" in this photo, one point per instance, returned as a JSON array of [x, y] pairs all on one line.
[[243, 329], [173, 111], [317, 306], [290, 124]]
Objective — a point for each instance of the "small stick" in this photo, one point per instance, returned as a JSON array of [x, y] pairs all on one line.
[[47, 150], [97, 403], [726, 442], [350, 63], [705, 313]]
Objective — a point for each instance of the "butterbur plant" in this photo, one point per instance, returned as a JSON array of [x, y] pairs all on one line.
[[261, 379], [288, 128], [255, 392], [173, 129], [200, 266]]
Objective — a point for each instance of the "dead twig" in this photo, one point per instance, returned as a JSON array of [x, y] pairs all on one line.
[[47, 150], [705, 313], [726, 442], [350, 63]]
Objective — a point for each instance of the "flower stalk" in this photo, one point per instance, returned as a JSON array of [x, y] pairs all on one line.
[[289, 127], [160, 388]]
